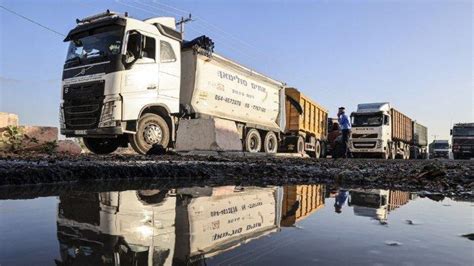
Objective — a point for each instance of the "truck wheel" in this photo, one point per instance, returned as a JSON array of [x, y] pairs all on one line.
[[151, 129], [270, 143], [300, 145], [101, 145], [253, 141], [323, 150], [317, 150], [392, 152]]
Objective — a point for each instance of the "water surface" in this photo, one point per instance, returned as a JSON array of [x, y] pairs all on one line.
[[274, 225]]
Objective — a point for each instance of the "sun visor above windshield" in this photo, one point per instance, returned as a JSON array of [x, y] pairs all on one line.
[[85, 27]]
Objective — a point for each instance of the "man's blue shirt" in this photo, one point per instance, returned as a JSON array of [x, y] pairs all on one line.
[[344, 122]]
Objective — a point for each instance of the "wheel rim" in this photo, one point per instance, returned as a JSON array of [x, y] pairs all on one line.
[[153, 134], [271, 144], [253, 143]]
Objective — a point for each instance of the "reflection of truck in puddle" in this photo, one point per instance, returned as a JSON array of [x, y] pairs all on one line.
[[213, 221], [162, 227], [116, 228], [377, 203]]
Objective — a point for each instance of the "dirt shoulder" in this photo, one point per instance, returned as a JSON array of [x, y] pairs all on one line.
[[452, 178]]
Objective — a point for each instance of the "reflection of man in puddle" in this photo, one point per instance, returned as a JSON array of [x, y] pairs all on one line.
[[340, 200]]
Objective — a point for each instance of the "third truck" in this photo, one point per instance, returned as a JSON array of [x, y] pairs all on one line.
[[379, 130]]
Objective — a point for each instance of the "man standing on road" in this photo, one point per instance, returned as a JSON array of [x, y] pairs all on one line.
[[345, 125]]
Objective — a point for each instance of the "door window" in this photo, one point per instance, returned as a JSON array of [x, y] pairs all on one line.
[[149, 47], [167, 54]]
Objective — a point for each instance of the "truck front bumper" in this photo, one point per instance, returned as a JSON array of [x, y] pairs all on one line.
[[366, 146], [96, 132]]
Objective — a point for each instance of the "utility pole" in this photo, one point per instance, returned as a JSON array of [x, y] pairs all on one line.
[[434, 136], [182, 21]]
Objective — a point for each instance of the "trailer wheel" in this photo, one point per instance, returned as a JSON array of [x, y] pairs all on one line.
[[324, 151], [317, 150], [300, 145], [270, 143], [101, 145], [253, 141], [151, 129]]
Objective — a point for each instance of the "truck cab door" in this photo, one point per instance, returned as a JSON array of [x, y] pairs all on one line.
[[141, 79], [170, 73]]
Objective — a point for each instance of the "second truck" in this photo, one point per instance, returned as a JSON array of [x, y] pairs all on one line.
[[128, 81]]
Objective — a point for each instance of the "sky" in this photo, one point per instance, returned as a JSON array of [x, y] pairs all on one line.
[[415, 54]]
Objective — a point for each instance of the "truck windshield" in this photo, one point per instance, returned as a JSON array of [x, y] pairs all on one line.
[[441, 146], [96, 43], [463, 131], [366, 120]]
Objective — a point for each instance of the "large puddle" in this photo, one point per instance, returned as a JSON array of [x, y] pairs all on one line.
[[274, 225]]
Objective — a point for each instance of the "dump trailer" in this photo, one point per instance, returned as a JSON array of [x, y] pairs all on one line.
[[379, 130], [220, 88], [419, 149], [127, 81], [463, 140], [306, 126]]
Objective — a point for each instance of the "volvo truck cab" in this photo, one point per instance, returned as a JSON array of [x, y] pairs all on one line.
[[371, 130], [121, 82]]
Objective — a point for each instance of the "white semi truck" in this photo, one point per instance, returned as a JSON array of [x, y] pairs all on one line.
[[132, 81], [382, 131]]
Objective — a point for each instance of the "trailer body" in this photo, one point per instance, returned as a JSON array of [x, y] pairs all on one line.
[[218, 87], [419, 149], [306, 126], [402, 126]]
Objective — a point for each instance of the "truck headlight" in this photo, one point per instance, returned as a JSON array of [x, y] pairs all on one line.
[[61, 117], [379, 143], [107, 117]]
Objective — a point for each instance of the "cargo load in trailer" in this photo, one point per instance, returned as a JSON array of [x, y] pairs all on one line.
[[382, 131], [127, 81]]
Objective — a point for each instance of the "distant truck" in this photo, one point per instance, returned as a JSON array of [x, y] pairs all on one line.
[[439, 149], [381, 131], [463, 140], [128, 81], [419, 149]]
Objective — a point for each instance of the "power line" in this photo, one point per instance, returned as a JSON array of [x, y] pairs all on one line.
[[32, 21]]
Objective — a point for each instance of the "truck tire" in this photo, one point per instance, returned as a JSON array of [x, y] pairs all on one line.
[[270, 142], [300, 145], [101, 145], [393, 154], [151, 129], [317, 150], [253, 141], [324, 151]]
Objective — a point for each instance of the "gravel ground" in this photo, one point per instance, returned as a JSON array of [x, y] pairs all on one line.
[[22, 175]]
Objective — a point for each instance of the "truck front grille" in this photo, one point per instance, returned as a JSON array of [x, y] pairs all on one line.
[[364, 144], [83, 105], [364, 136]]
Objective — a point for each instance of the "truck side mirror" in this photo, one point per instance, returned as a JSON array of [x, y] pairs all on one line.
[[450, 132], [386, 119], [134, 49]]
